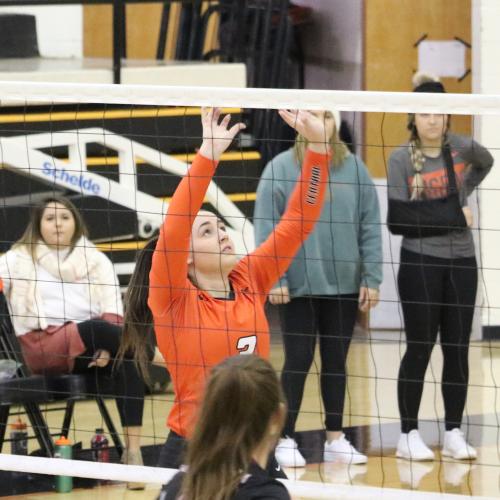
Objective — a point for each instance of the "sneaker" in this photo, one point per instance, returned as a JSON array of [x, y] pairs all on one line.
[[455, 446], [287, 453], [341, 450], [411, 447]]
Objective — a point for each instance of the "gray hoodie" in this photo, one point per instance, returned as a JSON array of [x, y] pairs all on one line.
[[471, 161]]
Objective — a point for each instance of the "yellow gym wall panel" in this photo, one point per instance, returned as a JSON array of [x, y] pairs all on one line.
[[142, 27], [142, 24], [392, 28]]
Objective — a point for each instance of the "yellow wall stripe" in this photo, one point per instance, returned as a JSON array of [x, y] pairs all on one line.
[[114, 114], [235, 197], [122, 246], [231, 156]]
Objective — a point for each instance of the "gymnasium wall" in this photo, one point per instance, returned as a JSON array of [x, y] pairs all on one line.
[[486, 79], [59, 28], [392, 30], [333, 48]]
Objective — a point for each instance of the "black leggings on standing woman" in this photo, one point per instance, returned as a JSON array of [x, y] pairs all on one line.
[[436, 295], [128, 385], [303, 319]]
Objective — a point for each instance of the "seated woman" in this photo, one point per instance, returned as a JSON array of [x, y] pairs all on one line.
[[66, 309], [240, 421]]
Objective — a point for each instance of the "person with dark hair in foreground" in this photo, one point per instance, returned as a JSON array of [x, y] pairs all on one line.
[[239, 424]]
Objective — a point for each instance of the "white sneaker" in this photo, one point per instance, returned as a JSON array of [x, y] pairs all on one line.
[[455, 446], [411, 447], [341, 450], [287, 453]]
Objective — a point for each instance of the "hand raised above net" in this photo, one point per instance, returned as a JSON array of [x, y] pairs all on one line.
[[217, 136], [315, 129]]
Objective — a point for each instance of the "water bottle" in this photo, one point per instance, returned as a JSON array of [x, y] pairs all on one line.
[[100, 446], [64, 449], [19, 438]]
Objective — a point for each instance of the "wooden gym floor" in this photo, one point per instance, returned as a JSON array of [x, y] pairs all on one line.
[[371, 421]]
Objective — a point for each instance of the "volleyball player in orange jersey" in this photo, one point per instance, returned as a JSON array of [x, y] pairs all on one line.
[[206, 304]]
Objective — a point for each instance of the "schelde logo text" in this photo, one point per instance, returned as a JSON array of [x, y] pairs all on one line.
[[77, 180]]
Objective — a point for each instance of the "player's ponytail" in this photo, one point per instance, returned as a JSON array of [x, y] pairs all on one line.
[[138, 334], [242, 410]]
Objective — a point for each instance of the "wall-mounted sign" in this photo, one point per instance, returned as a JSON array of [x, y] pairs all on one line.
[[442, 58]]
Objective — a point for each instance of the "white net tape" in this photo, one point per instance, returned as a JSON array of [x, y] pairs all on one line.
[[390, 102], [26, 93], [116, 472]]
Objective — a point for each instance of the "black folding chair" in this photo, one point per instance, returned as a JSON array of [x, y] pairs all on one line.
[[30, 391]]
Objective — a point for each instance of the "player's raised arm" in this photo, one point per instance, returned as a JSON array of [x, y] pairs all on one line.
[[169, 268], [273, 257]]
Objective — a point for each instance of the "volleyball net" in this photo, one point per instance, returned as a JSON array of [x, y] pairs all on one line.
[[118, 152]]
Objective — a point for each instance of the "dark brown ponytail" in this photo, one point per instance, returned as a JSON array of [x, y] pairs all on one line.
[[138, 333]]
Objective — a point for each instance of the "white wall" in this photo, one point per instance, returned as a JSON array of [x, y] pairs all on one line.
[[333, 46], [486, 80], [60, 32]]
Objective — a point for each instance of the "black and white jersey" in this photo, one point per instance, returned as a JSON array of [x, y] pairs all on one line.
[[256, 485]]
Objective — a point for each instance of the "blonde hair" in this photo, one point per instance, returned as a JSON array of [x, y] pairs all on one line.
[[417, 160], [339, 149]]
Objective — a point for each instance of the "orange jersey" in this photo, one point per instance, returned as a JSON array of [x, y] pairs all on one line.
[[194, 330]]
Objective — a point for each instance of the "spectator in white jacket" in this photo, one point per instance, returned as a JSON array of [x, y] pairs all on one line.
[[66, 308]]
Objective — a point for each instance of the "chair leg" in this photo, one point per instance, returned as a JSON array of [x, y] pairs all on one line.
[[110, 425], [42, 432], [4, 415], [68, 416]]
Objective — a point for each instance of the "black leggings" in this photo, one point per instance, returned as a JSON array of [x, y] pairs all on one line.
[[128, 385], [436, 295], [333, 318]]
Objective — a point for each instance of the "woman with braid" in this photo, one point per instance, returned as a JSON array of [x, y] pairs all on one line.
[[437, 278], [206, 304]]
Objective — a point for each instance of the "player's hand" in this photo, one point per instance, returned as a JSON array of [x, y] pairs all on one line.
[[279, 295], [315, 129], [368, 298], [100, 359], [216, 136]]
